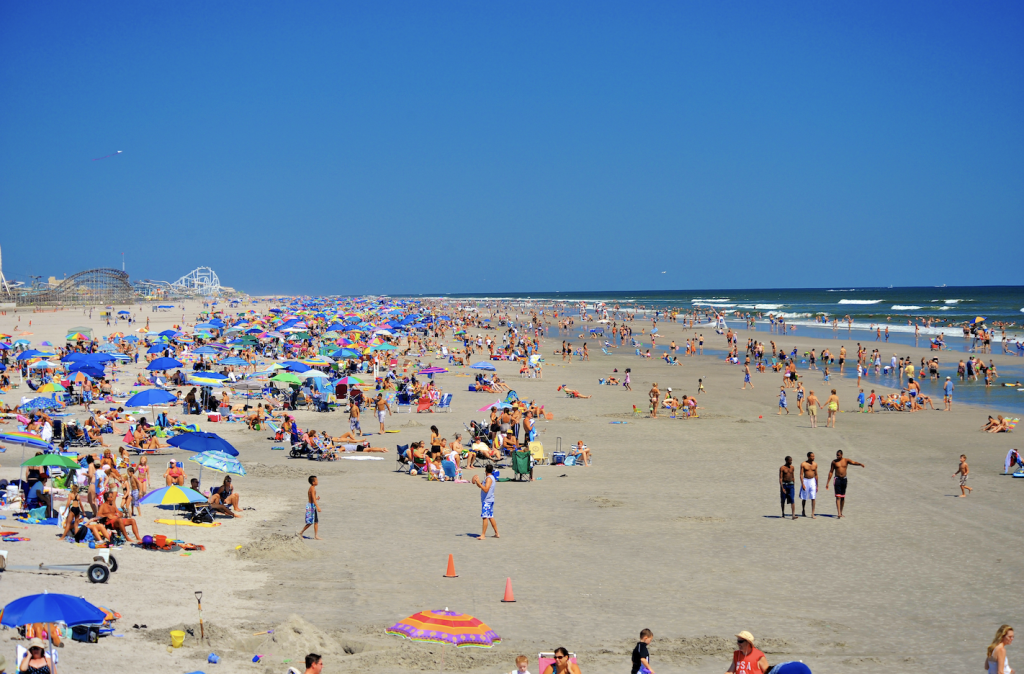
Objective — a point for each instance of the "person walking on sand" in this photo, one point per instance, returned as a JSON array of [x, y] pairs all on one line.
[[963, 471], [947, 394], [782, 400], [786, 487], [747, 659], [746, 377], [487, 500], [839, 466], [812, 408], [641, 657], [809, 485], [312, 509], [832, 404], [996, 661], [625, 382]]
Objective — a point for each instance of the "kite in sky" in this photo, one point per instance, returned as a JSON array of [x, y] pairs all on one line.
[[109, 155]]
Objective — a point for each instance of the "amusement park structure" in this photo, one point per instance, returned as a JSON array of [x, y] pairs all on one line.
[[106, 286]]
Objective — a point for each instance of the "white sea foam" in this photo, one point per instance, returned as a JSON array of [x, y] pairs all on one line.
[[905, 307], [719, 305], [860, 301], [768, 307], [708, 300]]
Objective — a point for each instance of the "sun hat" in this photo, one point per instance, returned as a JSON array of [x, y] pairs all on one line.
[[746, 636], [36, 643]]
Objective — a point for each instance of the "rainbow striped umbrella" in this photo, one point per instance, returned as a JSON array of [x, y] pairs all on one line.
[[447, 628], [77, 337], [22, 438]]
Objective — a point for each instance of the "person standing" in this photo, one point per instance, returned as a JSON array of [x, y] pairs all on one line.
[[353, 417], [832, 404], [963, 471], [312, 509], [625, 382], [383, 409], [747, 659], [786, 487], [782, 400], [314, 663], [996, 661], [808, 485], [839, 467], [746, 376], [655, 395], [947, 394], [487, 500], [641, 656]]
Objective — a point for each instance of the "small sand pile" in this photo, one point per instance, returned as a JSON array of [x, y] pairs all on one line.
[[412, 423], [302, 471], [297, 636], [277, 547], [572, 418]]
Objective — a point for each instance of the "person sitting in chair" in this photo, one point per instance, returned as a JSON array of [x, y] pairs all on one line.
[[579, 449], [223, 496], [174, 474]]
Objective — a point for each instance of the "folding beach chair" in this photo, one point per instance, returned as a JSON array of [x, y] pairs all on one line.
[[444, 405], [537, 452], [402, 461]]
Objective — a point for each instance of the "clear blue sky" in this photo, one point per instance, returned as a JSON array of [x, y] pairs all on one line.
[[305, 147]]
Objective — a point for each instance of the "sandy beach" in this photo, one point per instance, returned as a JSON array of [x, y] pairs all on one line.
[[675, 527]]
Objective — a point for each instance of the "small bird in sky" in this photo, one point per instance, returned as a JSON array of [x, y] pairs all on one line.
[[109, 155]]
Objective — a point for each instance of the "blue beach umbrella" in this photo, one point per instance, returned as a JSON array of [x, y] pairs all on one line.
[[483, 365], [202, 442], [48, 608], [164, 364], [150, 397]]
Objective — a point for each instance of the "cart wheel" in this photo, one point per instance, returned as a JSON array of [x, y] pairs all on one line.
[[295, 453], [112, 564], [98, 573]]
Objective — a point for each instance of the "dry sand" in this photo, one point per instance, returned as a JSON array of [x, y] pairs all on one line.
[[675, 528]]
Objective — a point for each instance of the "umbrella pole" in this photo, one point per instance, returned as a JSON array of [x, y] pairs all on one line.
[[49, 638]]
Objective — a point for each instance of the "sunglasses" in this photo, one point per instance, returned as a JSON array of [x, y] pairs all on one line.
[[560, 657], [741, 641]]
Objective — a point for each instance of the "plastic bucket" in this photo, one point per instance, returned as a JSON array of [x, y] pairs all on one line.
[[177, 638], [160, 541]]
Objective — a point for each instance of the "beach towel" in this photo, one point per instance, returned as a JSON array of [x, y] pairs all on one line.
[[363, 458], [186, 523]]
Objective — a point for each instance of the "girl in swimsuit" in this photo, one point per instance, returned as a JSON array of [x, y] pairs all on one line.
[[142, 475]]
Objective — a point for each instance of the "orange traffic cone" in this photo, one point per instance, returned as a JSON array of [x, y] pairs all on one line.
[[450, 573], [509, 597]]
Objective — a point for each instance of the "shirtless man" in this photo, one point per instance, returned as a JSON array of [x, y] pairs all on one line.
[[839, 466], [963, 470], [353, 418], [786, 487], [383, 409], [746, 376], [809, 484], [812, 408], [109, 512], [842, 357]]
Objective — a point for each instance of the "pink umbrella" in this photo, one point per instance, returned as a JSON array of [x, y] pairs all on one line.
[[496, 403]]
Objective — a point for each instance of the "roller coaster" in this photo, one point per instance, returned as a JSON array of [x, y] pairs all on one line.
[[111, 286]]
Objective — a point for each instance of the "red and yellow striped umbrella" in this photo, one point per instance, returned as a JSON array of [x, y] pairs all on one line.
[[446, 627]]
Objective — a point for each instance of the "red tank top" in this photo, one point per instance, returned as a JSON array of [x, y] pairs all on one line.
[[743, 665]]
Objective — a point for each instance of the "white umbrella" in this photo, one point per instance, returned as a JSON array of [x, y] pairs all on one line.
[[317, 374], [44, 365]]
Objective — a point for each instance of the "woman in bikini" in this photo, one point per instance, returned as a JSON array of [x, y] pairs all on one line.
[[174, 475], [74, 507], [832, 404], [142, 475]]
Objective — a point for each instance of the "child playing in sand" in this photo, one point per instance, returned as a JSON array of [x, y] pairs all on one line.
[[963, 470]]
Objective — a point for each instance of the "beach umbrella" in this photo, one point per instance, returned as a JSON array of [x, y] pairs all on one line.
[[150, 397], [234, 360], [175, 496], [51, 460], [496, 403], [247, 385], [350, 381], [483, 365], [447, 628], [316, 374], [40, 403], [25, 439], [44, 365], [432, 370], [286, 378], [50, 608], [218, 461], [51, 387], [201, 442], [77, 337], [164, 364]]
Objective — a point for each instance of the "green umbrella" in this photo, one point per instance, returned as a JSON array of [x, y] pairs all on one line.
[[52, 460], [287, 378]]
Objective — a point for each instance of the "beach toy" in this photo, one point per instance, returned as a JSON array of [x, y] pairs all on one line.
[[256, 658], [160, 541], [213, 658], [450, 573], [147, 540], [177, 638]]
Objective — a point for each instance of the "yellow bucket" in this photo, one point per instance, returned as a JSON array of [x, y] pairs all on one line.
[[177, 638]]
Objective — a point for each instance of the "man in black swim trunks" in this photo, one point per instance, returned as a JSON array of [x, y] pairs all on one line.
[[839, 466], [786, 487]]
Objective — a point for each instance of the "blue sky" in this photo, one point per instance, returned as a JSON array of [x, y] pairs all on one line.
[[486, 146]]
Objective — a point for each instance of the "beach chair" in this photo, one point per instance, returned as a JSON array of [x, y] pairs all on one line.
[[403, 403], [637, 414], [537, 452], [521, 464], [402, 461], [445, 404]]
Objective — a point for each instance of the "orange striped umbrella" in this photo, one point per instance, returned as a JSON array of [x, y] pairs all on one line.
[[446, 627]]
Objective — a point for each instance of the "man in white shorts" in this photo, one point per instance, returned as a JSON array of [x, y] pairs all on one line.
[[808, 484], [383, 409]]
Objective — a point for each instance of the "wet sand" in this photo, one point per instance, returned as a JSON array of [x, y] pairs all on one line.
[[675, 528]]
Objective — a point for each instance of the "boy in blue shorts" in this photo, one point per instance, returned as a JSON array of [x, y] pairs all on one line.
[[782, 400]]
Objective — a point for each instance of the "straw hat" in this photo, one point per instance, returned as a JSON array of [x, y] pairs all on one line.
[[37, 643], [747, 636]]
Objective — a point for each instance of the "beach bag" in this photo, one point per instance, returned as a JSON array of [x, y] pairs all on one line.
[[202, 516]]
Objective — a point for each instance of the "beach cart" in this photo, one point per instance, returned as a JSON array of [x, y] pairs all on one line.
[[97, 571]]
